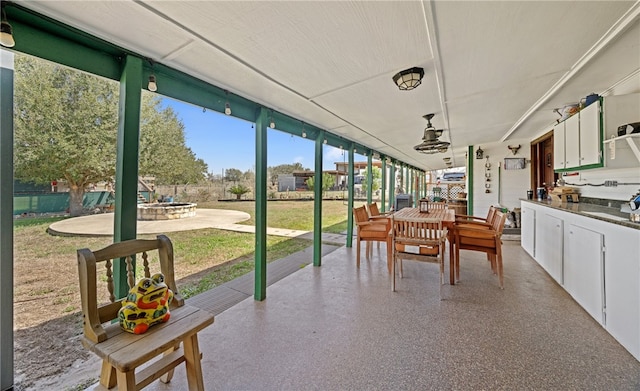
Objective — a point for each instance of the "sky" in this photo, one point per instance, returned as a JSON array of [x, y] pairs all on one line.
[[225, 142]]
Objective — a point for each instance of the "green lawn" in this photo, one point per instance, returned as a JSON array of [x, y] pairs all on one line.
[[45, 265]]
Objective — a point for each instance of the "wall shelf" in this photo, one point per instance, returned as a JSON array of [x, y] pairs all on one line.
[[632, 139]]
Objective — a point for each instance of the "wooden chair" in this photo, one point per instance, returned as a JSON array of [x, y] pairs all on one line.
[[480, 221], [369, 230], [374, 212], [122, 352], [437, 205], [419, 240], [487, 240]]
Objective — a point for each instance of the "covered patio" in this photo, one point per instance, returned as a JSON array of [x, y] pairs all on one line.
[[338, 327], [494, 73]]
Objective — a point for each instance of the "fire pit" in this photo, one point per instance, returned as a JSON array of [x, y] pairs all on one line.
[[166, 211]]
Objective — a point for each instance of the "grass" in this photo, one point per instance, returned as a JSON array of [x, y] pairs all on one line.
[[292, 214], [45, 265]]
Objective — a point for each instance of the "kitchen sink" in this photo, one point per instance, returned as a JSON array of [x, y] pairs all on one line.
[[607, 216]]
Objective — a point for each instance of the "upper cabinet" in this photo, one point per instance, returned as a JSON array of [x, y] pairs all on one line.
[[577, 141]]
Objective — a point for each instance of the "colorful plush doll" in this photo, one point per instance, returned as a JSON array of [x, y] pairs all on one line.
[[146, 304]]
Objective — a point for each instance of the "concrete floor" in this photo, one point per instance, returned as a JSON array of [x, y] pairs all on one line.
[[339, 328]]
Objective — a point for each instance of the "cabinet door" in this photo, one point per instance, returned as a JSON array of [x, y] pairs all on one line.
[[583, 269], [528, 229], [553, 246], [571, 142], [590, 143], [558, 146]]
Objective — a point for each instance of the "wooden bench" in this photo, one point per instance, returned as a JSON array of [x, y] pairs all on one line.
[[122, 352]]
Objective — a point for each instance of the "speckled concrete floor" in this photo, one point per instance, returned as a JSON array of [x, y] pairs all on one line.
[[339, 328]]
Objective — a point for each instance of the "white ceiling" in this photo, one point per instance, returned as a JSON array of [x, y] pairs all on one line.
[[494, 70]]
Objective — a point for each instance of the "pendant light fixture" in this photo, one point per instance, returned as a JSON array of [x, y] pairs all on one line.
[[409, 78], [227, 107], [272, 124], [6, 32], [152, 85]]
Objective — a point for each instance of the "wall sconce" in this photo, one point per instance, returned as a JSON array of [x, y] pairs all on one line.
[[6, 32], [409, 78], [479, 153], [514, 148]]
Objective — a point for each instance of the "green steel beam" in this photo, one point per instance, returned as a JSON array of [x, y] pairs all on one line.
[[6, 220], [392, 185], [260, 291], [126, 197], [350, 192], [383, 186], [317, 202], [369, 178], [470, 155]]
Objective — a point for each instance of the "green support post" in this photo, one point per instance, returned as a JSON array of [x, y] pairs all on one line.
[[383, 185], [350, 192], [392, 185], [6, 220], [126, 196], [260, 291], [470, 155], [317, 203], [369, 178]]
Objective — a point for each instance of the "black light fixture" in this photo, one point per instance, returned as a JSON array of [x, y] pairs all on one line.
[[430, 143], [409, 78], [6, 32], [479, 153]]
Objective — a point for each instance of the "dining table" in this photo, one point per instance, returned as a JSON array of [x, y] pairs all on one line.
[[448, 218]]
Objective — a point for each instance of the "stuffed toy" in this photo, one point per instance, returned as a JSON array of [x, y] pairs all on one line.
[[146, 304]]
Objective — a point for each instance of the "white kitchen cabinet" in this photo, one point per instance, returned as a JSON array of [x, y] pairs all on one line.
[[600, 265], [622, 286], [590, 135], [572, 142], [528, 229], [583, 269], [551, 250], [558, 147], [577, 141]]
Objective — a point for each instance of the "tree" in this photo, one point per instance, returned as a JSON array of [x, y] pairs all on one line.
[[239, 190], [328, 181], [66, 128], [376, 174], [232, 175]]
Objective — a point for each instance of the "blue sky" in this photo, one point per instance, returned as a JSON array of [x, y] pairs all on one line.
[[225, 142]]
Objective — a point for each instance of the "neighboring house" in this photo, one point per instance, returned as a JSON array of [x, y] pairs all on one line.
[[298, 180]]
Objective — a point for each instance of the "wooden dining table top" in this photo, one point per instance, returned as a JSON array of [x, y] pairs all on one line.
[[447, 216]]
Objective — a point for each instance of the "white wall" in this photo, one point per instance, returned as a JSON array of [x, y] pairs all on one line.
[[507, 186]]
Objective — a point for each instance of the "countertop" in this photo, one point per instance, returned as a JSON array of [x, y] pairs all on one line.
[[609, 214]]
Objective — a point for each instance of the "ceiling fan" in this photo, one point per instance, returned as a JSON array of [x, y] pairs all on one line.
[[430, 143]]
